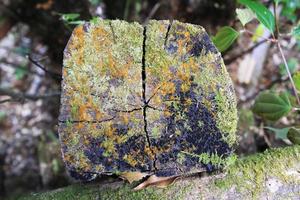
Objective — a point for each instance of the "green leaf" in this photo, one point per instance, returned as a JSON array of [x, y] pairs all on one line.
[[95, 2], [280, 133], [292, 64], [225, 37], [294, 135], [264, 15], [70, 17], [296, 78], [77, 22], [95, 20], [296, 32], [20, 72], [3, 115], [244, 15], [272, 106]]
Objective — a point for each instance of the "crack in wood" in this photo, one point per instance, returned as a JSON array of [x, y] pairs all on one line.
[[144, 97], [85, 121], [168, 31]]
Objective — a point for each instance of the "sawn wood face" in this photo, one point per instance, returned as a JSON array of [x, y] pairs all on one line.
[[154, 99]]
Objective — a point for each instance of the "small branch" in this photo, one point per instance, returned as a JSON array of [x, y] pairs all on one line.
[[15, 65], [152, 12], [275, 7], [54, 75], [6, 100], [23, 96], [231, 59]]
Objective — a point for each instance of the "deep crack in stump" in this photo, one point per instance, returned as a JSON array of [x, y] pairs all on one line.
[[154, 99]]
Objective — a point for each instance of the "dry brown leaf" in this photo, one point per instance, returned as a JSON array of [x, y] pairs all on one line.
[[153, 180], [133, 176]]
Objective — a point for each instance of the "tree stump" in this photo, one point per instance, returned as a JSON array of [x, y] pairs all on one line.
[[154, 99]]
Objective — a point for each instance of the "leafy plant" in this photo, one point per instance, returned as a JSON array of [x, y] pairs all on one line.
[[71, 18], [245, 15], [263, 14], [225, 38], [272, 106], [289, 9]]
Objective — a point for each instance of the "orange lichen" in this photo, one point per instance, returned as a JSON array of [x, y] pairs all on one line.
[[79, 125], [167, 87], [130, 160]]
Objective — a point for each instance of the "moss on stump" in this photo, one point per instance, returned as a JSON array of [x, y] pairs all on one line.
[[154, 99], [273, 174]]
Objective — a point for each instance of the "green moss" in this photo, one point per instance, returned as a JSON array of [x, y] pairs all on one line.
[[249, 174], [214, 159], [89, 192], [227, 117]]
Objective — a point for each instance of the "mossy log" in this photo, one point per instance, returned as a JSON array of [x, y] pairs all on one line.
[[274, 174], [154, 99]]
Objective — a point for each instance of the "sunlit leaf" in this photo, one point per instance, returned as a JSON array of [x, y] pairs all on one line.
[[296, 78], [272, 106], [225, 37], [263, 14], [70, 16], [244, 15], [280, 133], [294, 135], [259, 31], [77, 22]]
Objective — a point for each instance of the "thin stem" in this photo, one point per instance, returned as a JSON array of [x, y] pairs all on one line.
[[276, 35], [288, 72], [282, 54]]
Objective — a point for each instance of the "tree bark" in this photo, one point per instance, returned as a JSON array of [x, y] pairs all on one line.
[[274, 174]]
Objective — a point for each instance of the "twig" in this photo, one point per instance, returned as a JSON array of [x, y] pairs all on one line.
[[14, 65], [152, 12], [231, 59], [289, 73], [6, 100], [284, 59], [19, 96], [276, 18], [54, 75]]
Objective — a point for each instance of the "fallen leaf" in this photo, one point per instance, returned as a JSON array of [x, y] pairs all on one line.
[[160, 182], [133, 176]]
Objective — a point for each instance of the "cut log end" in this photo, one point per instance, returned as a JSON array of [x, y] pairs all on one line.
[[154, 99]]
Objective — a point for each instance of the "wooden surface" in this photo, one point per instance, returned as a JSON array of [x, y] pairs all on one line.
[[154, 99]]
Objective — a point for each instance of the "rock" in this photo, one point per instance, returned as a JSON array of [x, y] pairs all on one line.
[[154, 99]]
